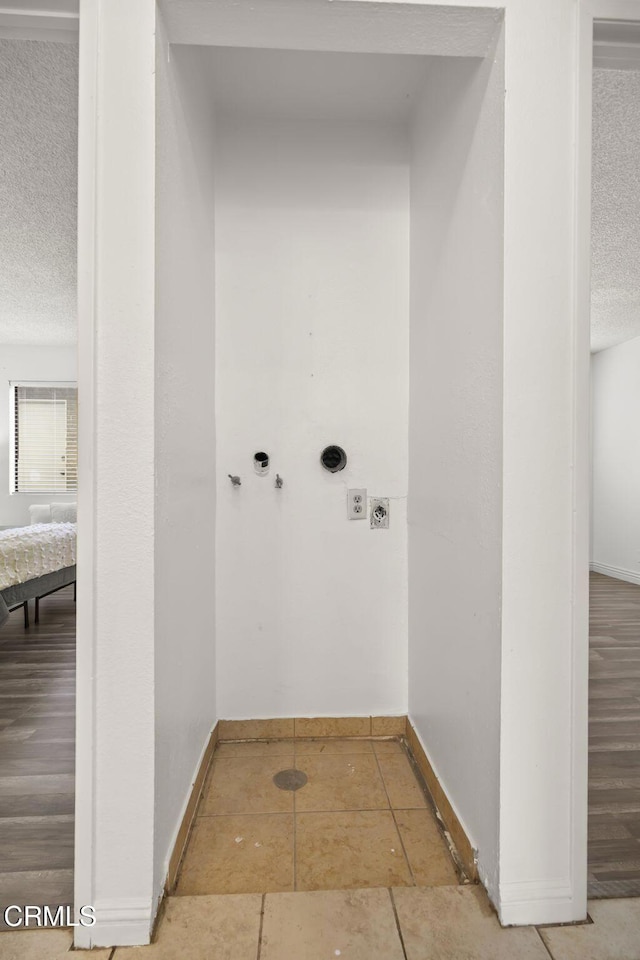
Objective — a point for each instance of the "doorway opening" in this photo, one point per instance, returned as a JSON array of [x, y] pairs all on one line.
[[38, 466], [614, 682], [318, 208]]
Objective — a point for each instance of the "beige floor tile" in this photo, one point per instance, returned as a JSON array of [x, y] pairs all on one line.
[[452, 923], [354, 925], [241, 854], [333, 726], [386, 748], [426, 850], [613, 935], [256, 748], [203, 928], [347, 850], [329, 746], [41, 945], [340, 783], [404, 791], [245, 785]]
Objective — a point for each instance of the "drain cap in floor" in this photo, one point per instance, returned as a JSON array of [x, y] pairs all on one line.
[[290, 779]]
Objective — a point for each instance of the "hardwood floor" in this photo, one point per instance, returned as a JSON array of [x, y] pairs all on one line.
[[37, 744], [614, 738]]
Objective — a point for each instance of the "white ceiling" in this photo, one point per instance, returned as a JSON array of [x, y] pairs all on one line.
[[304, 85], [38, 190], [615, 284]]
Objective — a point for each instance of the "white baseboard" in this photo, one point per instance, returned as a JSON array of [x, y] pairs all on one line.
[[119, 923], [618, 573], [536, 902]]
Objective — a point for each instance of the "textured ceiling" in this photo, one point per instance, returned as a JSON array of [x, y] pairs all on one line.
[[38, 188], [615, 284]]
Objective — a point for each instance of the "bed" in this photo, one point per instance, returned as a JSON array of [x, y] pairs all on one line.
[[35, 561]]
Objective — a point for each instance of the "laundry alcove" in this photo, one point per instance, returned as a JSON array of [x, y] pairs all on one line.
[[329, 238]]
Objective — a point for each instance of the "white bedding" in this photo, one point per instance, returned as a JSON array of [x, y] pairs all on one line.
[[29, 552]]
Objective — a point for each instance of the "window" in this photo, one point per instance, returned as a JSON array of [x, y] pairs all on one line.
[[44, 437]]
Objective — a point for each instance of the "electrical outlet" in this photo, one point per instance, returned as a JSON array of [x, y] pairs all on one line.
[[379, 515], [356, 504]]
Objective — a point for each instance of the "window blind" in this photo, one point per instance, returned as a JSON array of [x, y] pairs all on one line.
[[45, 439]]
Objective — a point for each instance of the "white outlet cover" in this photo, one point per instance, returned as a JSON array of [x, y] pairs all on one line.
[[379, 513], [356, 504]]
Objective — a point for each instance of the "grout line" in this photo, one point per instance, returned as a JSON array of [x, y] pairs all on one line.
[[287, 813], [197, 815], [404, 849], [356, 738], [159, 917], [295, 851], [544, 944], [251, 813], [398, 927], [393, 814], [262, 906], [433, 808]]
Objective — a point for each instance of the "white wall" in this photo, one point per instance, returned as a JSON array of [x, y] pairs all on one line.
[[543, 712], [312, 239], [455, 439], [542, 814], [616, 461], [27, 363], [115, 728], [185, 708], [185, 438]]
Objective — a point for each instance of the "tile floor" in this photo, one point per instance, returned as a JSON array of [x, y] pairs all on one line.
[[360, 821], [403, 923], [360, 847]]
